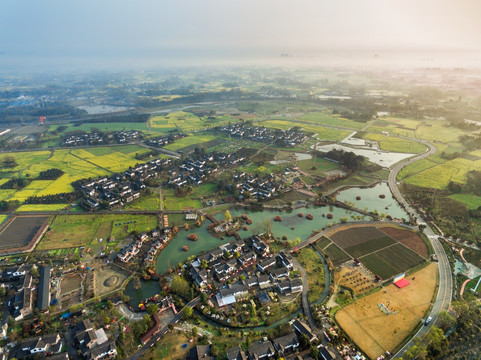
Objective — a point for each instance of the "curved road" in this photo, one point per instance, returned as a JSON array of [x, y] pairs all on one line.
[[443, 297]]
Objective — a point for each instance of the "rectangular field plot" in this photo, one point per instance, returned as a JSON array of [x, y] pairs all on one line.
[[391, 261], [378, 266], [369, 246], [20, 231], [356, 236], [323, 242], [336, 254], [400, 257]]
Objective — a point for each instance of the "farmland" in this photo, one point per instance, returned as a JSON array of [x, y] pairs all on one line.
[[471, 201], [439, 176], [20, 230], [323, 133], [75, 163], [407, 238], [327, 118], [184, 122], [401, 145], [377, 251], [374, 331], [196, 139], [68, 231]]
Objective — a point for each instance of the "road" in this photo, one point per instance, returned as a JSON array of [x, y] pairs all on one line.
[[445, 290], [305, 300], [138, 354]]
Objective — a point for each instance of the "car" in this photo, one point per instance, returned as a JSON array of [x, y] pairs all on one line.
[[428, 320]]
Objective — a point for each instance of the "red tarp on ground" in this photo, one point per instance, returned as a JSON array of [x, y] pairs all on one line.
[[401, 283]]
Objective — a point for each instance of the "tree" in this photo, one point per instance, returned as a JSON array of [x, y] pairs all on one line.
[[315, 354], [188, 312], [194, 332], [445, 321], [152, 309], [2, 291], [203, 297], [180, 286], [304, 342], [203, 264], [227, 216]]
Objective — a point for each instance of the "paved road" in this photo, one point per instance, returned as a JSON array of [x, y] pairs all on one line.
[[443, 297], [137, 355]]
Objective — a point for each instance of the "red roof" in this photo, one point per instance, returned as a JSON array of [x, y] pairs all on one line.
[[401, 283]]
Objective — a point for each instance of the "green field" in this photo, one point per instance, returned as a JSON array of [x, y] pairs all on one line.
[[190, 140], [391, 260], [41, 207], [315, 272], [75, 163], [3, 218], [332, 120], [471, 201], [184, 122], [335, 254], [323, 133], [369, 246], [149, 202], [401, 145], [110, 126], [317, 166], [68, 231], [439, 176]]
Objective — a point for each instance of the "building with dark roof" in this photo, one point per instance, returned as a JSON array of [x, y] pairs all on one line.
[[43, 299], [236, 353], [302, 328], [286, 343], [261, 350], [104, 351], [200, 352]]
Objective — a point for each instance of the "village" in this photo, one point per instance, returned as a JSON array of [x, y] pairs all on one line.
[[285, 138], [97, 138]]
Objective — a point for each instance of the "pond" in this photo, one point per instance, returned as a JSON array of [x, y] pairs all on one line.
[[292, 226], [147, 289], [370, 199], [382, 158]]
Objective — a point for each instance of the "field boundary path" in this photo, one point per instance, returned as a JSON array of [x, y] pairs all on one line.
[[445, 289]]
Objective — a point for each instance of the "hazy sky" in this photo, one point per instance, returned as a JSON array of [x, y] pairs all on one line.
[[96, 28]]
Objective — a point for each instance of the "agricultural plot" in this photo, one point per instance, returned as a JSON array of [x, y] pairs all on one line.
[[401, 145], [369, 246], [332, 120], [323, 242], [190, 140], [317, 166], [322, 132], [3, 218], [20, 231], [41, 207], [437, 131], [473, 202], [68, 231], [407, 238], [336, 254], [438, 177], [400, 257], [374, 331], [181, 121], [75, 163], [373, 136], [355, 236]]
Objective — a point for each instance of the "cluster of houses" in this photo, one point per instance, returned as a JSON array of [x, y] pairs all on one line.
[[195, 171], [230, 260], [97, 138], [280, 347], [131, 250], [285, 138], [164, 140], [261, 188], [93, 343], [18, 278], [121, 188]]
